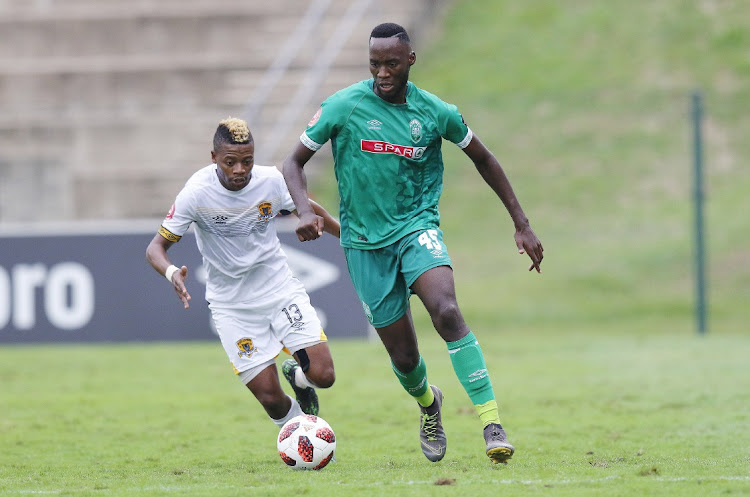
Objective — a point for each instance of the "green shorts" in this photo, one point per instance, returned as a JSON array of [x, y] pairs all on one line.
[[383, 277]]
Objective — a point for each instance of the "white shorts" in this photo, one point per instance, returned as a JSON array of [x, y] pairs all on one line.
[[254, 333]]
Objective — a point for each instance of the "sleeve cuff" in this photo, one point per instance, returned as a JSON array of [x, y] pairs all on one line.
[[467, 139], [309, 143]]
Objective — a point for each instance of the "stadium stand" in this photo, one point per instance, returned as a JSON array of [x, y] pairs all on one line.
[[106, 106]]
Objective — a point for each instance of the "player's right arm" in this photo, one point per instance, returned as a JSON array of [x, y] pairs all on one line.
[[309, 227], [156, 255], [330, 224], [324, 126]]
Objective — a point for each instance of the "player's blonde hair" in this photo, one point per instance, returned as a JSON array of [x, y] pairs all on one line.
[[232, 130]]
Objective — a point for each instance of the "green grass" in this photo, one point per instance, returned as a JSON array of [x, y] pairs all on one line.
[[605, 387], [587, 106], [610, 414]]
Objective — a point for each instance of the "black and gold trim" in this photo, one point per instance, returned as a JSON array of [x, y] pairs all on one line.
[[169, 235]]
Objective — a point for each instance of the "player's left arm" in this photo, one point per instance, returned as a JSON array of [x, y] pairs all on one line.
[[494, 175]]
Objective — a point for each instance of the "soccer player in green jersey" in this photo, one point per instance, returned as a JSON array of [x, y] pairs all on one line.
[[386, 136]]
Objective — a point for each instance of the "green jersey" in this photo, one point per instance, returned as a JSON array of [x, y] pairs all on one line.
[[387, 160]]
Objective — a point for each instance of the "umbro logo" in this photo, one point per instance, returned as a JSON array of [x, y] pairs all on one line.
[[220, 219], [478, 375], [374, 124]]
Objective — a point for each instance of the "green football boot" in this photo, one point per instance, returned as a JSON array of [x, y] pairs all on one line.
[[306, 397]]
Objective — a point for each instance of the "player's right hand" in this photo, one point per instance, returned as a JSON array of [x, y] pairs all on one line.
[[310, 227]]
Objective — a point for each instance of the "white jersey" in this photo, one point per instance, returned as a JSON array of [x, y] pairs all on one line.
[[235, 232]]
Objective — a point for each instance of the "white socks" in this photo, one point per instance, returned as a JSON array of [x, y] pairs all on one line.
[[294, 411]]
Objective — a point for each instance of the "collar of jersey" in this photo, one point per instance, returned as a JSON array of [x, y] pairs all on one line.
[[409, 86]]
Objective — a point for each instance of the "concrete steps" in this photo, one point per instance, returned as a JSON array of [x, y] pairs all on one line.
[[107, 106]]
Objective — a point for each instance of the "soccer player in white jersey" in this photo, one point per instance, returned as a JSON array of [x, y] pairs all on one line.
[[258, 306], [386, 135]]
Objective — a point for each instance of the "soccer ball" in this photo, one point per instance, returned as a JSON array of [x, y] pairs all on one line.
[[306, 442]]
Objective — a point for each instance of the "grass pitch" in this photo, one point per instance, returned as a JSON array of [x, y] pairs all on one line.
[[605, 387], [589, 414]]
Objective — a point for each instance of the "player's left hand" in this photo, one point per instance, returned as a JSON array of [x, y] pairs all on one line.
[[528, 243], [310, 227]]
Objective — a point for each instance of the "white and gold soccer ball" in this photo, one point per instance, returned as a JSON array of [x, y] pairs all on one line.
[[306, 442]]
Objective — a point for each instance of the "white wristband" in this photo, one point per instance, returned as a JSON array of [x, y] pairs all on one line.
[[170, 271]]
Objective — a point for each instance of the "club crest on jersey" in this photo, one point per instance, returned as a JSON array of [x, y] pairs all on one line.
[[246, 347], [264, 211], [416, 130]]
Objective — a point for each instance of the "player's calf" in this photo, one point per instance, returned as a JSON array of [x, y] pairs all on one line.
[[317, 365]]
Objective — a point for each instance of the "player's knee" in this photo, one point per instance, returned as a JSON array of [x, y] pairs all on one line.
[[447, 317]]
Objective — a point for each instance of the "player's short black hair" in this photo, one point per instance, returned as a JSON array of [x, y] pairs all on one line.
[[232, 131], [390, 30]]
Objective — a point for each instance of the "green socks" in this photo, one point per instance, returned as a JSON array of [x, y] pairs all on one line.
[[468, 363], [471, 370], [488, 413], [415, 383]]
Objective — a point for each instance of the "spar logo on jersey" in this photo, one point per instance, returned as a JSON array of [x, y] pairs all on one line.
[[380, 147], [246, 347], [170, 214], [415, 127], [264, 211]]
